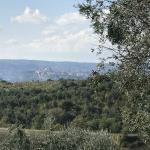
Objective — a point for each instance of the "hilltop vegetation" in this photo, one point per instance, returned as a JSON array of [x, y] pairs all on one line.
[[63, 103]]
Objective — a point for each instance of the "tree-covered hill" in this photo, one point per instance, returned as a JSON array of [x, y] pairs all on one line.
[[33, 70], [57, 104], [28, 70]]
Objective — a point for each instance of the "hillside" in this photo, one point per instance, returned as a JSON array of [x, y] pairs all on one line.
[[33, 70], [28, 70], [39, 105]]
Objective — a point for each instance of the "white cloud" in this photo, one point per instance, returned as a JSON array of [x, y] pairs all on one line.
[[35, 44], [71, 18], [70, 32], [11, 42], [68, 37], [1, 28], [66, 42], [30, 16], [69, 22]]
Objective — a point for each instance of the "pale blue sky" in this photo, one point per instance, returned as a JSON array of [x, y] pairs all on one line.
[[44, 30]]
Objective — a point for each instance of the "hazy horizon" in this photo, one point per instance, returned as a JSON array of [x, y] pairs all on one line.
[[46, 60]]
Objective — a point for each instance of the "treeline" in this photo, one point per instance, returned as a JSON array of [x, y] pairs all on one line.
[[65, 103]]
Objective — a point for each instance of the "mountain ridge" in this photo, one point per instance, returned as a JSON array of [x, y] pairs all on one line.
[[27, 70]]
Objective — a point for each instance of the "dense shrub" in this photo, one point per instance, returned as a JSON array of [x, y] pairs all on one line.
[[68, 102], [67, 139], [77, 139], [16, 140]]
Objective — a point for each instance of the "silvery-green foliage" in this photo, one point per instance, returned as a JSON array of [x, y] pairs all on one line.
[[77, 139], [100, 141], [48, 122], [139, 123], [68, 139], [126, 25], [16, 140]]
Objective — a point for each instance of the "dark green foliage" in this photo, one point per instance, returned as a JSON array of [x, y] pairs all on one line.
[[66, 102], [132, 141]]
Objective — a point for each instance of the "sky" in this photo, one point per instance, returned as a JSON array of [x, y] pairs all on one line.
[[49, 30]]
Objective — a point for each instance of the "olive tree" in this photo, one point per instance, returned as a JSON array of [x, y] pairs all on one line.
[[126, 25]]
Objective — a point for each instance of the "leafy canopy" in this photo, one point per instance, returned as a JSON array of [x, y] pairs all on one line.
[[126, 24]]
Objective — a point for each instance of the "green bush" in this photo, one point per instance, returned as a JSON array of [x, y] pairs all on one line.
[[77, 139], [66, 139], [16, 140], [75, 103]]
